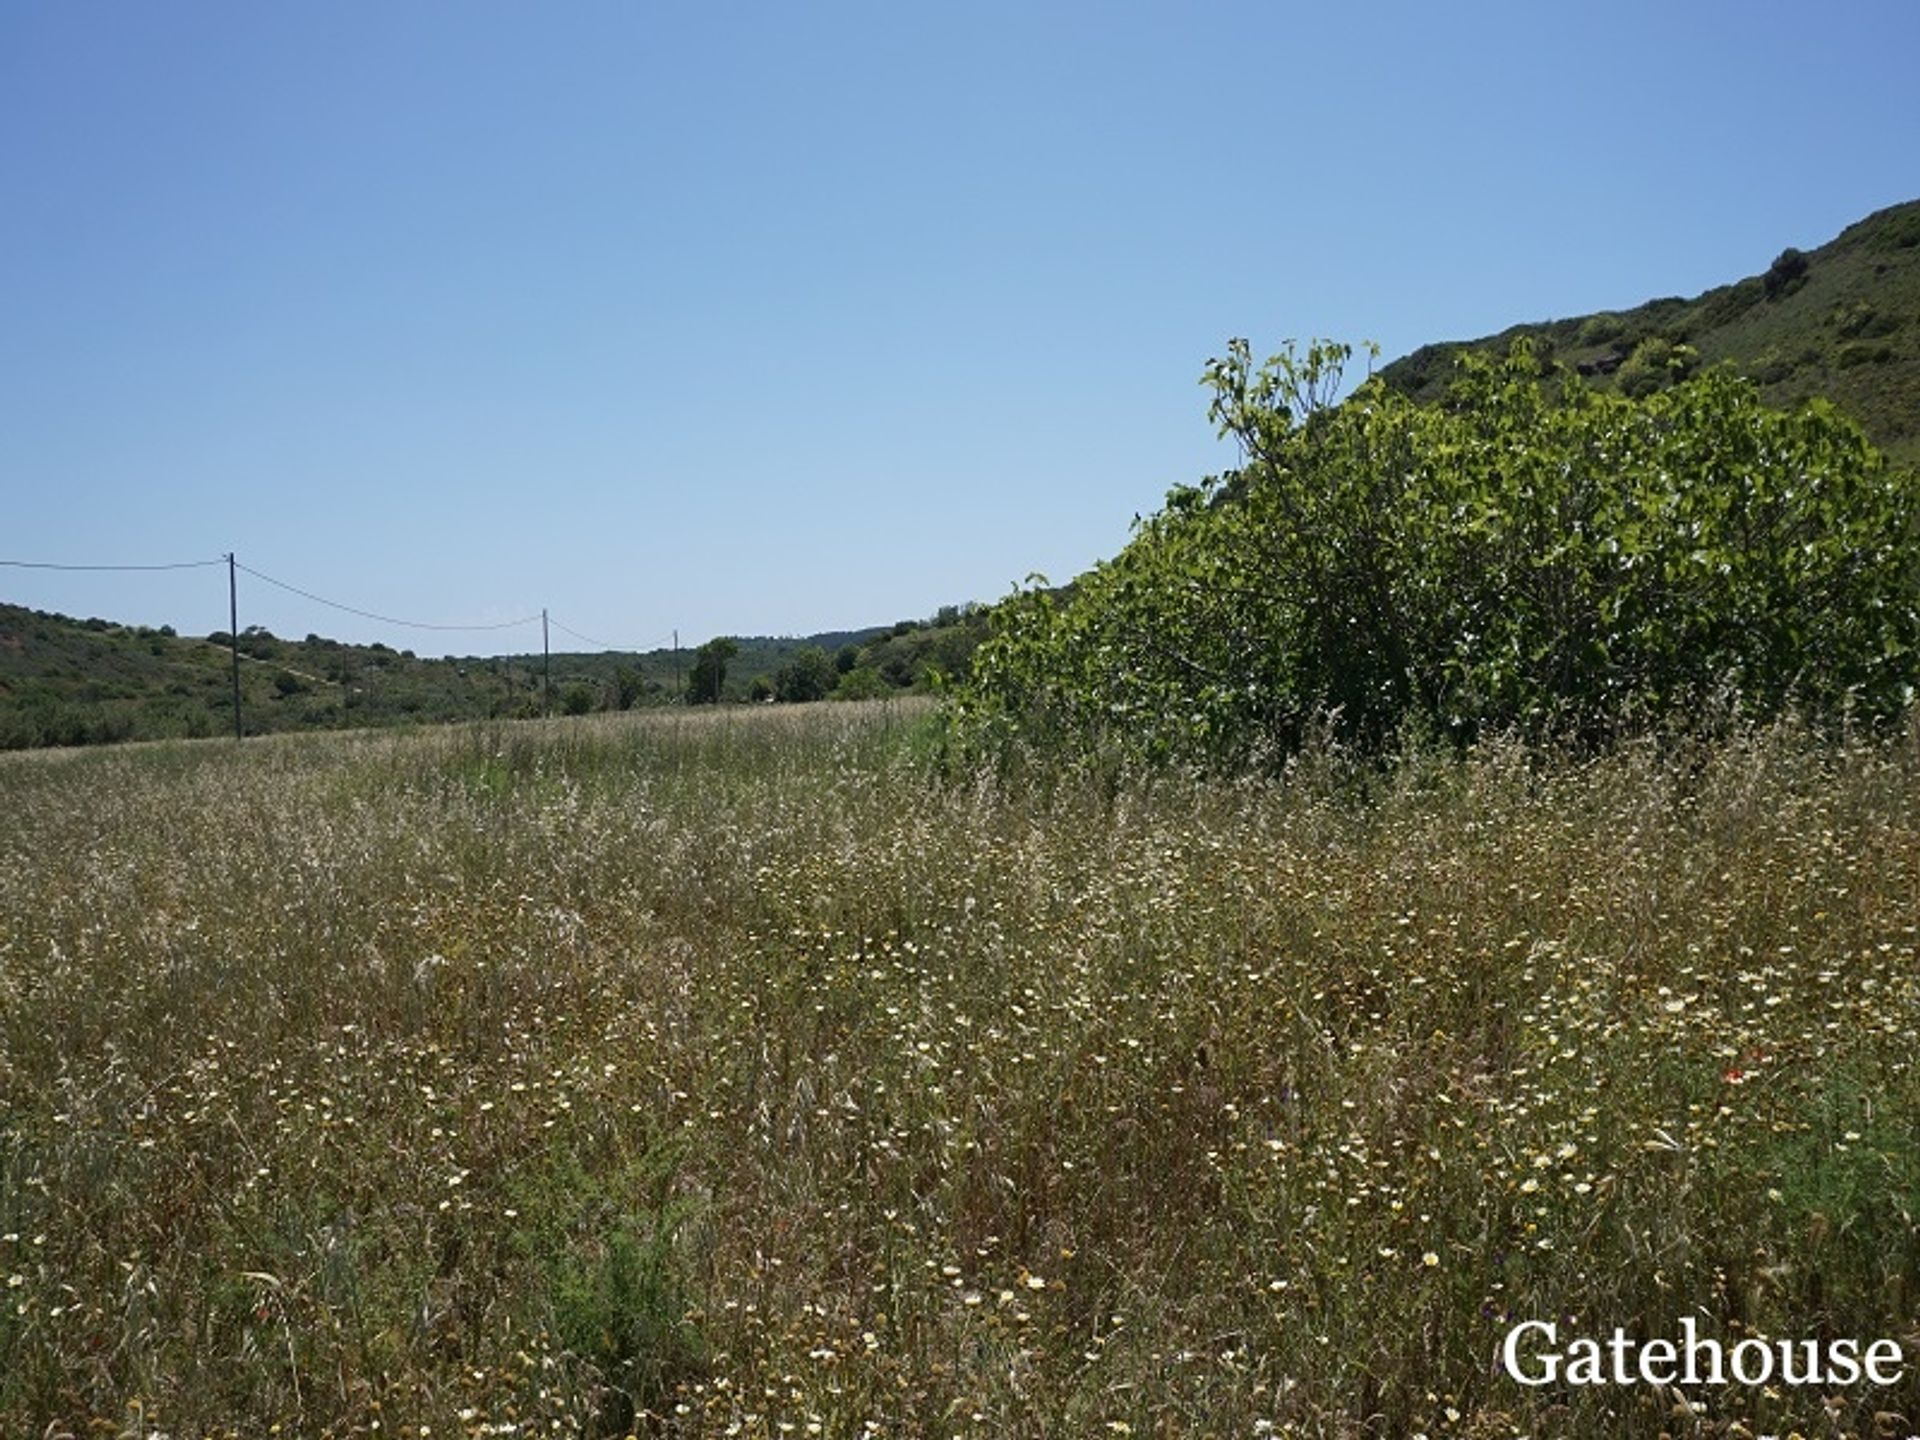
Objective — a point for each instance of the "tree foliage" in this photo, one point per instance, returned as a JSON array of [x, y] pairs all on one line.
[[1787, 273], [628, 686], [809, 675], [1530, 554], [709, 674], [863, 682]]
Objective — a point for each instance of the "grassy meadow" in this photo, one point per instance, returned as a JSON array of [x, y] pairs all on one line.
[[737, 1073]]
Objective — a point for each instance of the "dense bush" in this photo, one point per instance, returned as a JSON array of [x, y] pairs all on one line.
[[1530, 555], [862, 682], [809, 675], [1861, 352], [1599, 329], [709, 677], [1786, 275], [1655, 363], [1727, 303]]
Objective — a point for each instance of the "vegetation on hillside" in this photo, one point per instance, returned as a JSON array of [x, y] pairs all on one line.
[[75, 682], [742, 1071], [1842, 322], [65, 681], [1531, 555], [719, 1073]]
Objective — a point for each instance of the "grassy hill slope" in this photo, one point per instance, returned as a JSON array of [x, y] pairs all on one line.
[[65, 681], [74, 682], [1842, 321]]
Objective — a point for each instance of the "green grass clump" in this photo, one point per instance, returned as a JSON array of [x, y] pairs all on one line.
[[734, 1074]]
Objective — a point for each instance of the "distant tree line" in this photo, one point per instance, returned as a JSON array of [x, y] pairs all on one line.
[[911, 655]]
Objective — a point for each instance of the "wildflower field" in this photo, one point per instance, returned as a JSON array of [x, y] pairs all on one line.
[[743, 1074]]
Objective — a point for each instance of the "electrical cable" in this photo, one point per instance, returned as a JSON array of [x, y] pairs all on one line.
[[48, 565], [620, 649], [338, 605], [569, 630], [383, 619]]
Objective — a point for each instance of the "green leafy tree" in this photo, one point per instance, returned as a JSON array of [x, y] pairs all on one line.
[[709, 673], [809, 675], [627, 687], [1531, 554], [1787, 273], [863, 682]]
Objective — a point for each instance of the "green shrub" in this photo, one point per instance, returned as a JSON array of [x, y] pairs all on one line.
[[1532, 555], [1861, 321], [1727, 304], [1786, 275], [708, 678], [1861, 352], [1601, 328], [617, 1303], [809, 675], [628, 686], [1656, 362], [607, 1240], [862, 683]]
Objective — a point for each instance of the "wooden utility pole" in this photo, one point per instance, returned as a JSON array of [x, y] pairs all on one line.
[[233, 634], [679, 679], [546, 675]]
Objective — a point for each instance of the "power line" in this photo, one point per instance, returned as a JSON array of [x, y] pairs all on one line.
[[335, 604], [383, 619], [569, 630], [48, 565], [625, 649]]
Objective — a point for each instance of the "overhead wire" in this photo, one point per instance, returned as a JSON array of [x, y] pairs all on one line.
[[49, 565], [383, 619], [293, 589], [623, 649]]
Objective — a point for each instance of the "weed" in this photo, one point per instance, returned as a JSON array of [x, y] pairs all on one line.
[[740, 1074]]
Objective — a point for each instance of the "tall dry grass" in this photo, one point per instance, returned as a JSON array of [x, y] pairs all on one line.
[[734, 1074]]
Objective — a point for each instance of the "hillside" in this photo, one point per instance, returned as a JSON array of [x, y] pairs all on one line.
[[899, 656], [1842, 321], [65, 681], [75, 682]]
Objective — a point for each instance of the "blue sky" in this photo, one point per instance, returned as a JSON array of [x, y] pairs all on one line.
[[766, 319]]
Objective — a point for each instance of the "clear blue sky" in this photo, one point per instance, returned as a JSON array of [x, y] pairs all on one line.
[[776, 318]]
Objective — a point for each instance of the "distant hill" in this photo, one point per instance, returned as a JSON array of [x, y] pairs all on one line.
[[75, 682], [65, 681], [900, 655], [1841, 321]]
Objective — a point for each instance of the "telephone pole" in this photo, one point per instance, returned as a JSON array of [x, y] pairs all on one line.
[[233, 634], [546, 674]]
